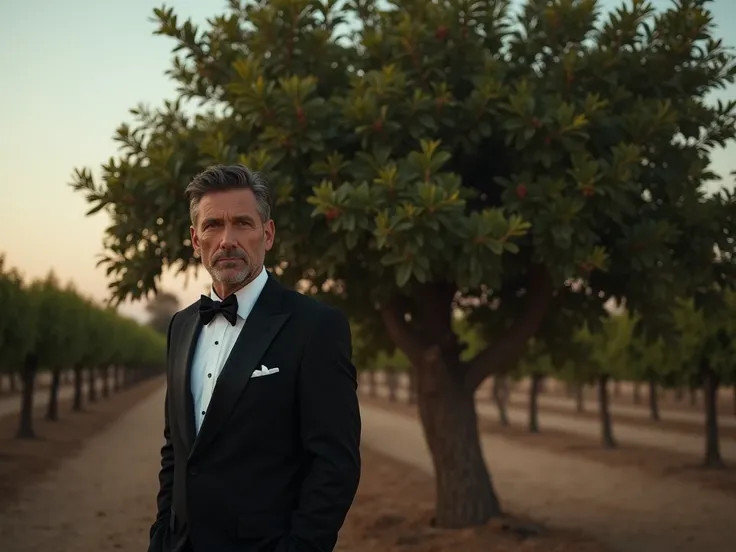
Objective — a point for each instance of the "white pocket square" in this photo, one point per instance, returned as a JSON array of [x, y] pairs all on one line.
[[264, 372]]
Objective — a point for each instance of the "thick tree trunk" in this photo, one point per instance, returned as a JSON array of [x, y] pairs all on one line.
[[734, 399], [91, 385], [580, 398], [713, 457], [78, 388], [28, 381], [653, 401], [499, 392], [422, 326], [534, 386], [465, 493], [52, 410], [605, 413], [637, 392]]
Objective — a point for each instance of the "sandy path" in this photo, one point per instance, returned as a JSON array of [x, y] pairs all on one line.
[[624, 433], [102, 499], [622, 507]]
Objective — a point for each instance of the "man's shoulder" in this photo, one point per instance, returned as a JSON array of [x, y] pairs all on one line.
[[184, 313], [310, 307]]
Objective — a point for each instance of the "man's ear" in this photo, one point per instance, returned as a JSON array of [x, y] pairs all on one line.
[[195, 240], [269, 234]]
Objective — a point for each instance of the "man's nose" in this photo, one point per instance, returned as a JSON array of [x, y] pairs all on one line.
[[228, 237]]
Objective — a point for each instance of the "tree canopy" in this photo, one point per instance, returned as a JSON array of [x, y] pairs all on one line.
[[433, 153], [61, 328]]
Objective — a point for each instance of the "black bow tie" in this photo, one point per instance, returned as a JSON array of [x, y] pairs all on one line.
[[209, 308]]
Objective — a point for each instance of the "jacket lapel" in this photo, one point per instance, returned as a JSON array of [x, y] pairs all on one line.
[[184, 401], [259, 330]]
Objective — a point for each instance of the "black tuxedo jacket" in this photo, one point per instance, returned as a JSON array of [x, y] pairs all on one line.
[[276, 463]]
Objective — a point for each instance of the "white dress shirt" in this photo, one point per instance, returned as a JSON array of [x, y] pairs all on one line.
[[215, 342]]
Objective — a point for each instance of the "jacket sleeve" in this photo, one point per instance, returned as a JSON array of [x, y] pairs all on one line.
[[330, 427], [165, 474]]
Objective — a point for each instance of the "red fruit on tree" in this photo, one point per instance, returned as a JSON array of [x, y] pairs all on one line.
[[332, 214], [301, 117], [521, 191], [588, 191], [442, 32], [378, 125]]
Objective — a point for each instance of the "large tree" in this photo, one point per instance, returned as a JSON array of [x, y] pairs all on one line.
[[431, 154]]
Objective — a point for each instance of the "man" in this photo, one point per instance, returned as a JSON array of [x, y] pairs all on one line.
[[262, 426]]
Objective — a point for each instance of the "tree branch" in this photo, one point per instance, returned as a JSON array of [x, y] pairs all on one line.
[[497, 357], [401, 332]]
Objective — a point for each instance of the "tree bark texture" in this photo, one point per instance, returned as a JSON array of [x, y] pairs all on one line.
[[653, 401], [28, 382], [52, 410], [605, 413], [713, 458], [421, 325], [535, 384]]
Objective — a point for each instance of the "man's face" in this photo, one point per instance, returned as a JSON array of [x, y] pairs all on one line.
[[231, 239]]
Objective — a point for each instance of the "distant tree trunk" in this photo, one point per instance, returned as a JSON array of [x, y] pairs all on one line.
[[412, 386], [13, 376], [66, 378], [105, 376], [499, 392], [679, 393], [653, 401], [693, 396], [637, 392], [91, 385], [28, 381], [616, 388], [713, 457], [605, 413], [580, 398], [52, 411], [734, 400], [534, 403], [373, 383], [392, 385], [78, 387]]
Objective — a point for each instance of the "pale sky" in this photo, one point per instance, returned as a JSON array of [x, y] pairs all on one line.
[[70, 72]]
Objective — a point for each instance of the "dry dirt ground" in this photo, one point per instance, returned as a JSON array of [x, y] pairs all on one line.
[[24, 461], [651, 460], [99, 495]]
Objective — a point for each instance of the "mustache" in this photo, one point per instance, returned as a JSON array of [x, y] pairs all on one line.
[[229, 254]]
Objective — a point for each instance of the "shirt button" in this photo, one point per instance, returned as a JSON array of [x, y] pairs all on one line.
[[209, 375], [217, 342], [203, 413]]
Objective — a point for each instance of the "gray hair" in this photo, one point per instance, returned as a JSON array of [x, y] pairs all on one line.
[[220, 178]]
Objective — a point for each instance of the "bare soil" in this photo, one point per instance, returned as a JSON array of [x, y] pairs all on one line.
[[23, 461], [394, 509], [98, 493], [651, 461]]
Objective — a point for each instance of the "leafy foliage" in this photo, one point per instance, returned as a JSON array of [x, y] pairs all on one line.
[[62, 328]]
